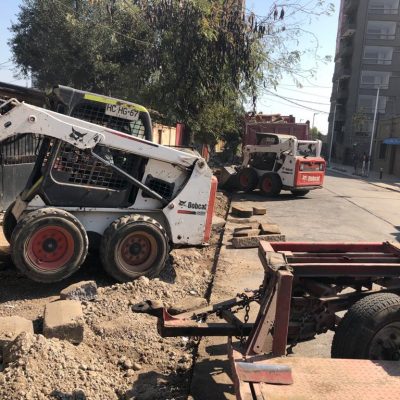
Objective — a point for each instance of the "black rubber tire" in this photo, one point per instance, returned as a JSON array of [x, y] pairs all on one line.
[[356, 331], [113, 239], [270, 184], [9, 222], [247, 179], [36, 220], [299, 193]]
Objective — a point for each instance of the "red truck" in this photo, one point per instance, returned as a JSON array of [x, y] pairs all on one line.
[[273, 123]]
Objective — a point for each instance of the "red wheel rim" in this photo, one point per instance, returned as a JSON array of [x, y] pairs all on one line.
[[137, 251], [244, 180], [266, 185], [50, 248]]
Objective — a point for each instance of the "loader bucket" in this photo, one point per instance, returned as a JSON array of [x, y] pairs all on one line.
[[227, 178]]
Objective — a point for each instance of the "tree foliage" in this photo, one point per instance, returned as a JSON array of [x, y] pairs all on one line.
[[194, 61]]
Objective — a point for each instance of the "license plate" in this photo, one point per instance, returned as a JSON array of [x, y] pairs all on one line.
[[121, 111]]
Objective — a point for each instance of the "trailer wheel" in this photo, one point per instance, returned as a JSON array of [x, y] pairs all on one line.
[[299, 193], [48, 245], [132, 246], [9, 222], [370, 329], [247, 179], [270, 184]]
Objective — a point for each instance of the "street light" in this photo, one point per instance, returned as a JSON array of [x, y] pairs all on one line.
[[332, 132], [313, 118], [373, 130]]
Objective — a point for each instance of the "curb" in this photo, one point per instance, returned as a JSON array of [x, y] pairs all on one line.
[[382, 185]]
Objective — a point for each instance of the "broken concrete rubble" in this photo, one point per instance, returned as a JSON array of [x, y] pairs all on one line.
[[242, 212], [259, 210], [63, 319], [11, 327], [82, 291], [246, 233], [270, 228], [253, 241]]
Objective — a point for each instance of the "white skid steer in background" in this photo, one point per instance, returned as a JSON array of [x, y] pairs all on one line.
[[91, 182], [278, 162]]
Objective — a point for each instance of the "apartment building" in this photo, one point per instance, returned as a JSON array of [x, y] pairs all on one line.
[[367, 60]]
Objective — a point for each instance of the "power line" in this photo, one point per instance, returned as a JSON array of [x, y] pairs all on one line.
[[311, 86], [297, 104], [306, 93], [305, 101]]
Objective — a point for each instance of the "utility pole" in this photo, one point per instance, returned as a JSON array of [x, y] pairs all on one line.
[[313, 119], [332, 133], [373, 130]]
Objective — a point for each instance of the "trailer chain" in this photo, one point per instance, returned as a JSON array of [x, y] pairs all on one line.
[[241, 304], [298, 336]]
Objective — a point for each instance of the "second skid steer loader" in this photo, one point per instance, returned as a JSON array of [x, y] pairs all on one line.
[[91, 181]]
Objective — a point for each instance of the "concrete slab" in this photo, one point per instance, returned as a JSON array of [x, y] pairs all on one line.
[[63, 319], [11, 327], [83, 291]]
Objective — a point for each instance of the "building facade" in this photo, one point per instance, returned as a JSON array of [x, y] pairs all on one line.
[[386, 155], [367, 63]]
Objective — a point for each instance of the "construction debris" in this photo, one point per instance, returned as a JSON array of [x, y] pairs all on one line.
[[11, 327], [252, 241], [246, 233], [250, 225], [259, 211], [82, 291], [267, 229], [64, 320], [242, 212]]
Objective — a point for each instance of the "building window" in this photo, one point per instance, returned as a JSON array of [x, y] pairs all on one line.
[[378, 55], [382, 150], [383, 7], [374, 79], [381, 30], [366, 104]]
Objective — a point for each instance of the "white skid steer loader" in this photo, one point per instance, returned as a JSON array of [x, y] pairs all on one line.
[[90, 181]]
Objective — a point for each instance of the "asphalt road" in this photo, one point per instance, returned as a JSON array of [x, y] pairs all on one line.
[[346, 209]]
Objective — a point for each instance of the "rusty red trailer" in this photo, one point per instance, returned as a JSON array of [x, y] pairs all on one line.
[[305, 286]]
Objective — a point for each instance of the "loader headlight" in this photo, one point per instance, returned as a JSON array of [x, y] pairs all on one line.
[[301, 167], [321, 167]]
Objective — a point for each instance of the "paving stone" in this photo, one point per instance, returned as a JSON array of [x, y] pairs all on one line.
[[63, 319], [11, 327], [259, 210], [250, 225], [218, 222], [242, 212], [83, 291], [267, 229], [246, 233], [253, 241]]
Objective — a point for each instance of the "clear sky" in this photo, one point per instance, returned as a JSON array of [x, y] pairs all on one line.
[[316, 90]]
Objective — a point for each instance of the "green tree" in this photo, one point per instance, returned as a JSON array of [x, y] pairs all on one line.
[[193, 61]]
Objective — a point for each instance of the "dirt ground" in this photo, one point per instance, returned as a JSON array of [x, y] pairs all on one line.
[[122, 356]]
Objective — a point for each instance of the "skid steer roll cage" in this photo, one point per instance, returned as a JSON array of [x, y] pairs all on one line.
[[86, 136]]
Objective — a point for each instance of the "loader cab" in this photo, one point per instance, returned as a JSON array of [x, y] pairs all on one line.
[[116, 114]]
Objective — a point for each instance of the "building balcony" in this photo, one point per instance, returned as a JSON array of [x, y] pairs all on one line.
[[348, 30], [351, 6], [342, 94]]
